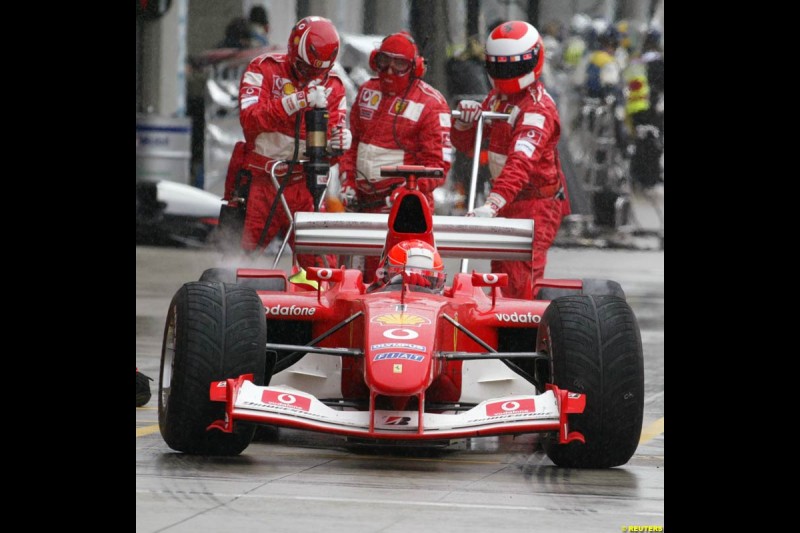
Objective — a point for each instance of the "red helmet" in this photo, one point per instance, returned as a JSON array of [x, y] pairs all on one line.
[[514, 56], [420, 262], [397, 61], [313, 47]]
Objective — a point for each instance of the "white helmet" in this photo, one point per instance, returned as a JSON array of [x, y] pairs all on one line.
[[514, 56]]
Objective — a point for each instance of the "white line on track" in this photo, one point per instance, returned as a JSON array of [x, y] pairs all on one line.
[[395, 502]]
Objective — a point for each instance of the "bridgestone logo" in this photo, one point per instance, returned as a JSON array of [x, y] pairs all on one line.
[[517, 317], [280, 310]]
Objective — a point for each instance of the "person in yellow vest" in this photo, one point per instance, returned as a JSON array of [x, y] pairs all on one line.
[[644, 89], [575, 47], [602, 75]]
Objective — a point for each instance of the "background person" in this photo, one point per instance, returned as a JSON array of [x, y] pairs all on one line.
[[259, 26]]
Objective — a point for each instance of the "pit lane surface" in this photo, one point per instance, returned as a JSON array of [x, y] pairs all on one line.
[[300, 481]]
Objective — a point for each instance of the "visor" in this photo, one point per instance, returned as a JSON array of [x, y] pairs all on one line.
[[434, 280], [508, 67], [306, 72], [400, 65]]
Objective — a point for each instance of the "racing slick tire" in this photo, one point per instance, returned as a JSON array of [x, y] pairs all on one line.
[[214, 331], [595, 348], [593, 287], [228, 275]]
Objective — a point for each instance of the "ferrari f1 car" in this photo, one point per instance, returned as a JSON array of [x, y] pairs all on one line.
[[398, 361]]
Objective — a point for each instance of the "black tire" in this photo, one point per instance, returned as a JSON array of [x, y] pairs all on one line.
[[593, 287], [228, 275], [225, 275], [595, 348], [214, 331]]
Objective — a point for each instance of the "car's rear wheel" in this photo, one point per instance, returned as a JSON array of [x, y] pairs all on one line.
[[214, 331], [595, 348]]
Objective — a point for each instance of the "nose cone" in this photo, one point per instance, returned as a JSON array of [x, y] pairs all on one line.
[[399, 360]]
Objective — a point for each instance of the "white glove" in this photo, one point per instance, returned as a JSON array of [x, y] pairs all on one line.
[[470, 111], [318, 96], [484, 211], [347, 194], [493, 204], [341, 139], [294, 102]]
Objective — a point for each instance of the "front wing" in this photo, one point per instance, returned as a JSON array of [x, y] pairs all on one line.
[[288, 407]]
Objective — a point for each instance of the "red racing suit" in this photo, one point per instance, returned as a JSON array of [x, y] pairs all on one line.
[[412, 128], [526, 174], [269, 133]]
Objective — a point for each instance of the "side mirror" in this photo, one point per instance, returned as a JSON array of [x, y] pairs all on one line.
[[333, 275], [490, 280], [319, 274]]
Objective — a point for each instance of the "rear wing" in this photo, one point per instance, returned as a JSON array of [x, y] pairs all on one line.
[[456, 236]]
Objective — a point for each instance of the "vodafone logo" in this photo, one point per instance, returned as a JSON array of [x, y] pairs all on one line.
[[491, 279], [285, 400], [524, 318], [294, 310], [400, 333], [324, 273], [511, 407]]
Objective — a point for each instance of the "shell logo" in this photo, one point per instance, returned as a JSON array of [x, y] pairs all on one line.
[[399, 319], [375, 99], [288, 89]]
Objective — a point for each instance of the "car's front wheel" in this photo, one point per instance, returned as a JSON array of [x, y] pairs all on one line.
[[595, 348], [228, 275], [214, 331]]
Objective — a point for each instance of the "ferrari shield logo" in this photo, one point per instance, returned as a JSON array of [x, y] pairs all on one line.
[[397, 368], [398, 107]]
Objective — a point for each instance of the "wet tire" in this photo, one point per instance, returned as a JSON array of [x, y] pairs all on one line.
[[225, 275], [228, 275], [595, 348], [593, 287], [214, 331]]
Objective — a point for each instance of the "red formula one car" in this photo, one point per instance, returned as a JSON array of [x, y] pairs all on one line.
[[398, 361]]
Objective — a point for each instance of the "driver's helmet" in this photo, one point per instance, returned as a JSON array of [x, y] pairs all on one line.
[[419, 260], [313, 47], [514, 56]]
